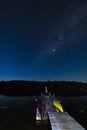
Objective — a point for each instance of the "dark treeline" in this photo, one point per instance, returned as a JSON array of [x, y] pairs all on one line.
[[25, 88]]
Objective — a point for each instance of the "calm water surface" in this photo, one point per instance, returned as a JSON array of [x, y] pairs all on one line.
[[18, 113]]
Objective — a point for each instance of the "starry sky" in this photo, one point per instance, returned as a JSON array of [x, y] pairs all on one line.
[[43, 40]]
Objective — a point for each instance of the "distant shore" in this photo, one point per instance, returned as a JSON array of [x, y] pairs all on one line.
[[30, 88]]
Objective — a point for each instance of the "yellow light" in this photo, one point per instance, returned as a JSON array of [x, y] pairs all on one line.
[[58, 105]]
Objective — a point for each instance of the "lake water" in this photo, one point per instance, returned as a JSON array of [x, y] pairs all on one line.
[[18, 113]]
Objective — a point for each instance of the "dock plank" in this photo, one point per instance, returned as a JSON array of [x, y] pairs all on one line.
[[63, 121]]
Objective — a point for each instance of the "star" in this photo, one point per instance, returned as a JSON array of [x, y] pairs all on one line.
[[53, 50]]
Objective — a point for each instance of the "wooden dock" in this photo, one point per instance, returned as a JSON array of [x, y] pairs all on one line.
[[58, 120], [61, 120]]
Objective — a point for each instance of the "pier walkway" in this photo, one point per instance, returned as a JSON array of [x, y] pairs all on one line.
[[61, 120]]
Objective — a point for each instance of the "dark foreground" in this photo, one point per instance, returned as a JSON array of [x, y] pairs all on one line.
[[18, 113]]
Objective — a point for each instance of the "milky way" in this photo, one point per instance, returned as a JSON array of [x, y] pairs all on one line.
[[43, 40], [65, 33]]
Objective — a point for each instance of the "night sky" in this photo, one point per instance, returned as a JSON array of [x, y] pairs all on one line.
[[43, 40]]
